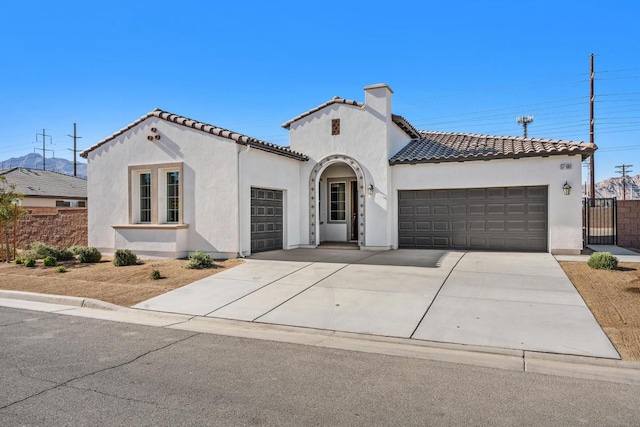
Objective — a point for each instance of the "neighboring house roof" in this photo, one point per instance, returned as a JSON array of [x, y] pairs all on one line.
[[204, 127], [436, 147], [41, 183]]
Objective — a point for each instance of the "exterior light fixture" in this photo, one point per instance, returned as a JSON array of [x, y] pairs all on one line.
[[371, 189], [566, 188]]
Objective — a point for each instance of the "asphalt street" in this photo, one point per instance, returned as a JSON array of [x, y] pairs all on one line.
[[64, 370]]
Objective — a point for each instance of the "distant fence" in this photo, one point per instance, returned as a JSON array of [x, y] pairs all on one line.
[[61, 227]]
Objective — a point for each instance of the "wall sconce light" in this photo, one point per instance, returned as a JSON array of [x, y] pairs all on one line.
[[370, 188], [566, 188]]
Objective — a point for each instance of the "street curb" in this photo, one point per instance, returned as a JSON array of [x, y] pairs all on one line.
[[590, 368], [61, 300]]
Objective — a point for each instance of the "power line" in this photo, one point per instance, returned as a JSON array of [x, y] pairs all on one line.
[[624, 169]]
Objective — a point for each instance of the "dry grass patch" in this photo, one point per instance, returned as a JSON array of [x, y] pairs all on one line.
[[614, 299], [124, 286]]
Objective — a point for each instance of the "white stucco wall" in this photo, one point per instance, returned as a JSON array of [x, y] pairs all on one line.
[[209, 187], [565, 212], [366, 134], [266, 170]]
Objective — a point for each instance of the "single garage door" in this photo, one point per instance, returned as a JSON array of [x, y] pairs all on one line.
[[266, 220], [507, 218]]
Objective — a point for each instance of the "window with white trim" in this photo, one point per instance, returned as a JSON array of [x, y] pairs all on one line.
[[155, 194], [145, 197], [338, 201]]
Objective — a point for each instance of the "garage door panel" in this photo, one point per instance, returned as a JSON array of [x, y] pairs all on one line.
[[516, 209], [440, 210], [267, 224], [509, 218], [537, 192], [477, 209], [423, 210], [458, 210], [537, 208], [537, 225]]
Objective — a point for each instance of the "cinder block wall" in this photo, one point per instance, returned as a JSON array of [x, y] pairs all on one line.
[[60, 227], [629, 223]]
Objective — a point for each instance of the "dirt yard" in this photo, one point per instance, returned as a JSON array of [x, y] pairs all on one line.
[[614, 299], [124, 286]]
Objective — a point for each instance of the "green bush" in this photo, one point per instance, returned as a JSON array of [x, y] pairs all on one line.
[[124, 257], [30, 262], [76, 249], [39, 250], [61, 269], [199, 260], [603, 260], [155, 275], [19, 261], [50, 261], [87, 255]]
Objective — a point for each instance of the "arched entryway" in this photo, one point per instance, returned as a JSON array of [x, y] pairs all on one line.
[[337, 201]]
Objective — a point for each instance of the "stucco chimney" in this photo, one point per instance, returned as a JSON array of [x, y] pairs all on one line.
[[378, 98]]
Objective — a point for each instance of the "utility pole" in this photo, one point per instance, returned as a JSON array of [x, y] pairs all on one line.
[[524, 121], [44, 150], [592, 162], [624, 169], [74, 136]]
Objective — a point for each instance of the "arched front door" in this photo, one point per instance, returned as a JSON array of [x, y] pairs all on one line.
[[337, 201]]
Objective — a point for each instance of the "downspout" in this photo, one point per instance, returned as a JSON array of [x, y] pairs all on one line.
[[240, 254]]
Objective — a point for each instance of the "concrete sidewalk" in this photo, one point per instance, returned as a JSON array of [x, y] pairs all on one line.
[[506, 300]]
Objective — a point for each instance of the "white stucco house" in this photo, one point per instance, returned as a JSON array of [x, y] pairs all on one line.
[[166, 185]]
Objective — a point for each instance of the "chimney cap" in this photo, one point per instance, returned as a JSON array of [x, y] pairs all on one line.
[[378, 86]]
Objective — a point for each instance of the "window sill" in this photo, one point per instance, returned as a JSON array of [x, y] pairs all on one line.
[[150, 226]]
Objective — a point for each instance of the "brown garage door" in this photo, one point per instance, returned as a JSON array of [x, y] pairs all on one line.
[[266, 219], [505, 218]]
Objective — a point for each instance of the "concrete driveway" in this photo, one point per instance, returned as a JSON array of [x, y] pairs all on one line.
[[508, 300]]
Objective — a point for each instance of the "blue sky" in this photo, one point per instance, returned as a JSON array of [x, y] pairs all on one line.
[[250, 66]]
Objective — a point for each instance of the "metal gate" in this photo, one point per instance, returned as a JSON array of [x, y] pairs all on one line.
[[599, 221]]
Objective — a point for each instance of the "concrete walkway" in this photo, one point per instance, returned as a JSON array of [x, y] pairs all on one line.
[[505, 300]]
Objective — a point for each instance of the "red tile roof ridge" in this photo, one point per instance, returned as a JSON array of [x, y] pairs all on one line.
[[204, 127]]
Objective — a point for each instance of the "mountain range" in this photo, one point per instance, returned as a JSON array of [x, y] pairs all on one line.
[[613, 187], [35, 161]]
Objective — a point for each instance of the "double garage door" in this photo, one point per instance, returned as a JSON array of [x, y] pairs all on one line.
[[506, 218], [266, 220]]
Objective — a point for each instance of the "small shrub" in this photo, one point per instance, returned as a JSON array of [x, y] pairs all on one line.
[[155, 275], [124, 257], [88, 255], [30, 262], [199, 260], [50, 261], [61, 269], [603, 260], [76, 249], [39, 250], [19, 261]]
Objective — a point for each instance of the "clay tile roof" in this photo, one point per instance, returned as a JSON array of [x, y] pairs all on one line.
[[335, 100], [42, 183], [204, 127], [405, 126], [436, 147]]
